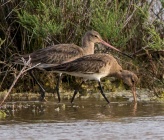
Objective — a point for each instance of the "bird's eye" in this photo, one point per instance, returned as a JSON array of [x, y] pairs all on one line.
[[94, 35], [133, 81]]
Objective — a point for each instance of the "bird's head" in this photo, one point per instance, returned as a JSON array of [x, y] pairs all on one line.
[[94, 37], [130, 79]]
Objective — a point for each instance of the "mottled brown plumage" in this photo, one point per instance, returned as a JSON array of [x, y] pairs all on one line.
[[55, 54], [97, 66], [90, 64], [61, 53]]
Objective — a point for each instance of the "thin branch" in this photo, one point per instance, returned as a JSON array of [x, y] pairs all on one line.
[[31, 68], [27, 66]]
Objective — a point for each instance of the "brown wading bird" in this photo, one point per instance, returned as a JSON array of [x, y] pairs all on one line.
[[61, 53], [95, 67]]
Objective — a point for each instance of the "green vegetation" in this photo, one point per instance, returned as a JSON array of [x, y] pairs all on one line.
[[39, 18], [28, 25], [2, 114], [111, 22]]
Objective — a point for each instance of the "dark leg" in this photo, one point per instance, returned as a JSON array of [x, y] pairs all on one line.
[[40, 86], [75, 92], [57, 86], [102, 93]]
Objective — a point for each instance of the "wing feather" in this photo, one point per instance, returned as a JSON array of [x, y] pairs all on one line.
[[86, 64], [56, 54]]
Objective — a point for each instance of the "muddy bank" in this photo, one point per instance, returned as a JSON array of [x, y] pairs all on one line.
[[124, 95]]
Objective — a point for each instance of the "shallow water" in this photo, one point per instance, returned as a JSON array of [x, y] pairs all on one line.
[[85, 120]]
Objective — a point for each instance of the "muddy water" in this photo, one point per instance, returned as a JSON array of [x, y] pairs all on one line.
[[85, 120]]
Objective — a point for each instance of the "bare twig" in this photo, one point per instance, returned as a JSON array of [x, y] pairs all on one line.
[[27, 66]]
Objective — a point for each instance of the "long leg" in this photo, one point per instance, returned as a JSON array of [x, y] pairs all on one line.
[[75, 92], [40, 86], [57, 86], [102, 93]]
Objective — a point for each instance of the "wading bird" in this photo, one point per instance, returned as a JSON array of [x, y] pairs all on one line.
[[95, 67], [62, 53]]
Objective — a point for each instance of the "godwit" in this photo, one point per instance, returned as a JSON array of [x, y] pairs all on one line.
[[95, 67], [61, 53]]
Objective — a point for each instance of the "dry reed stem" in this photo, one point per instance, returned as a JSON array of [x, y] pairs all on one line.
[[27, 67]]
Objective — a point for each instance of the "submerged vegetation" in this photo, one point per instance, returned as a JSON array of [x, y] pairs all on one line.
[[131, 26]]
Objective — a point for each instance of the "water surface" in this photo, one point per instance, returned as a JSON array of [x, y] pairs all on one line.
[[85, 120]]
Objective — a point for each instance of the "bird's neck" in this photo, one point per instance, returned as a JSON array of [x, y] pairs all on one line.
[[87, 46]]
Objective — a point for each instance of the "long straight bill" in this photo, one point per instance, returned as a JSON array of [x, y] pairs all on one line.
[[134, 94], [110, 46]]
